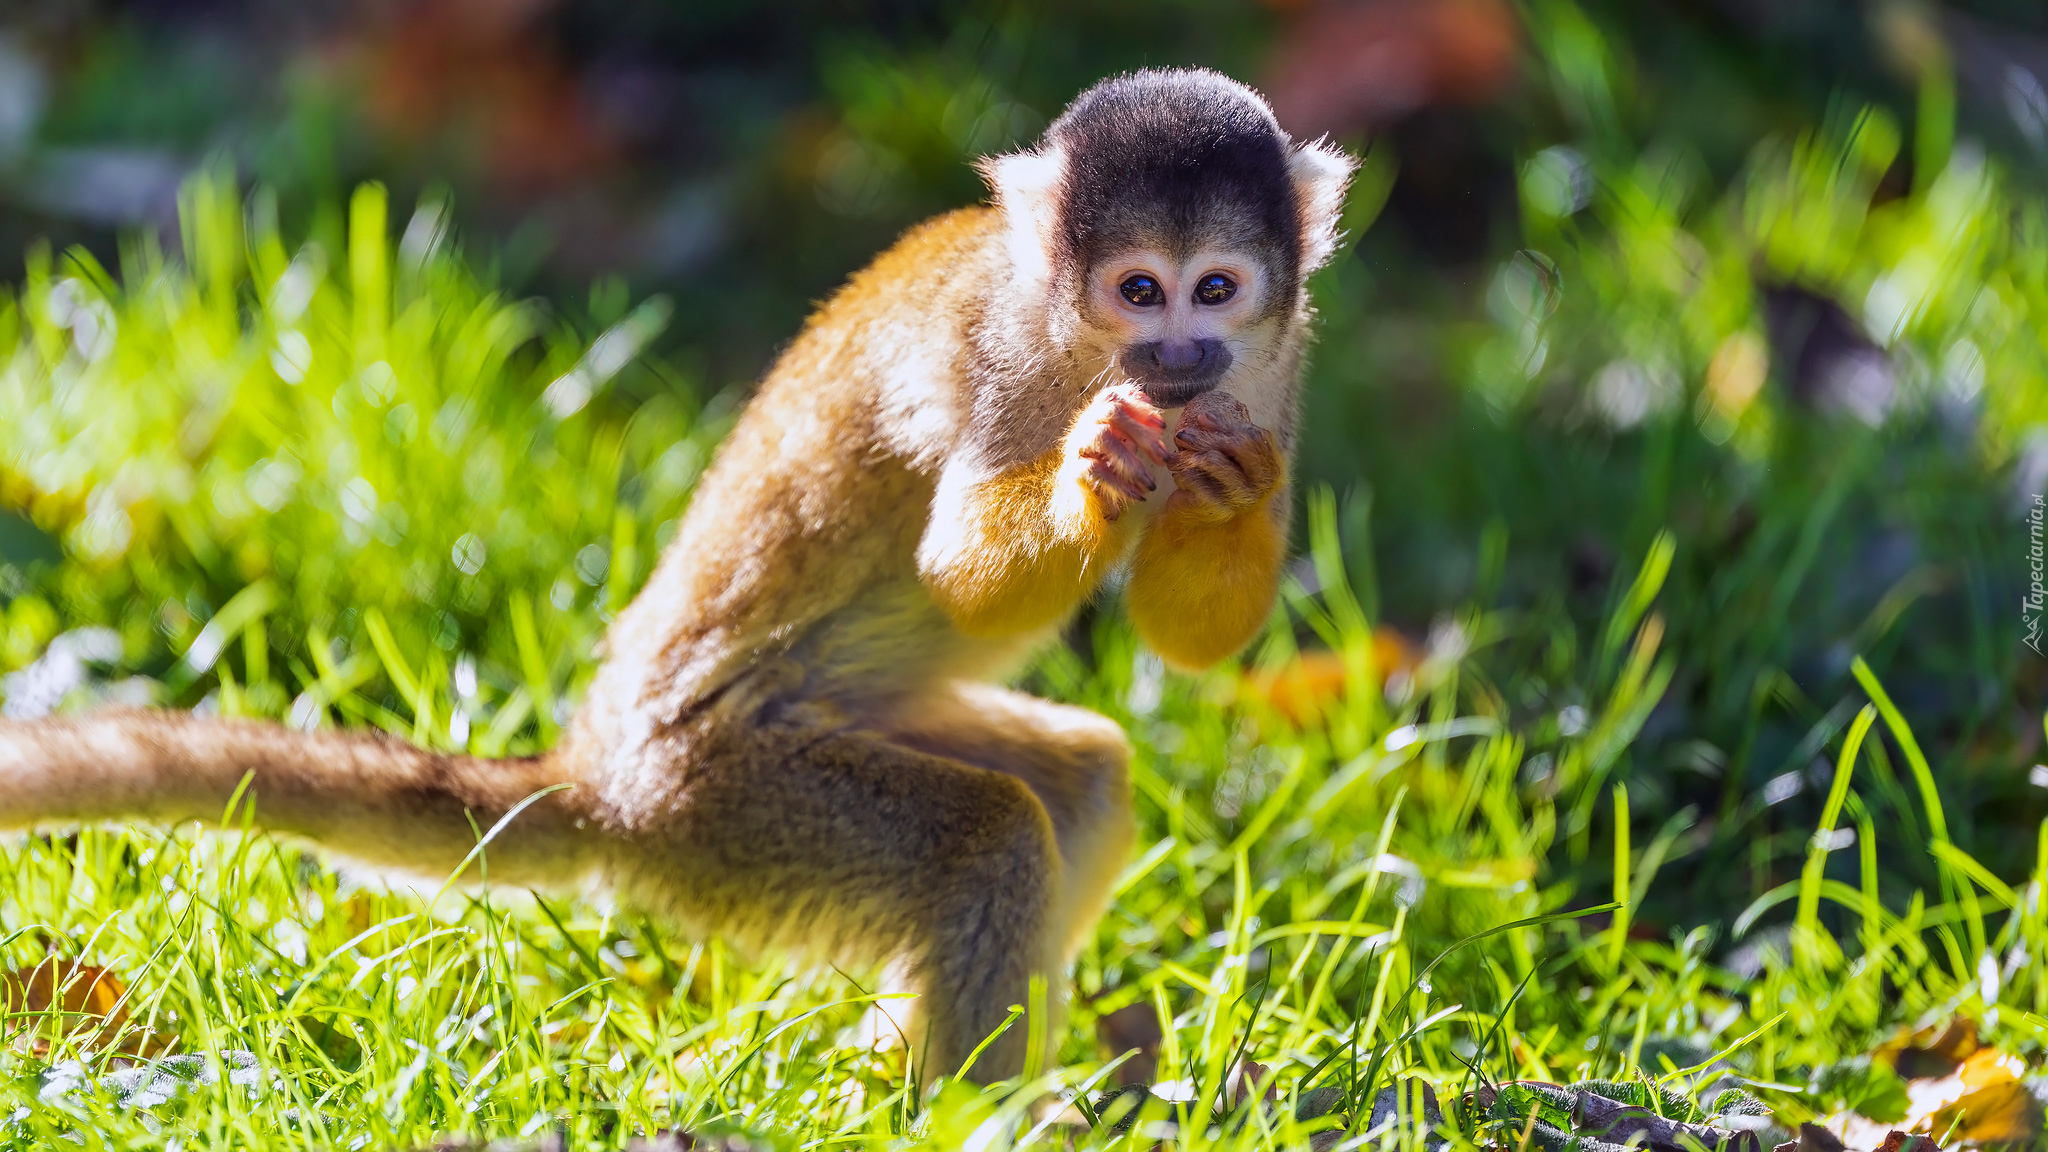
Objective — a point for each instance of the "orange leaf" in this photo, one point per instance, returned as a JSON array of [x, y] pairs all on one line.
[[1302, 689], [85, 1000], [2004, 1113], [1989, 1066]]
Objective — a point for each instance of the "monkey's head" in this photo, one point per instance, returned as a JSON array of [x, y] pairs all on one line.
[[1170, 223]]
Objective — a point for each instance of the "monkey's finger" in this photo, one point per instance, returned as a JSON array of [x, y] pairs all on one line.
[[1111, 503], [1142, 410], [1112, 490], [1228, 441], [1130, 398], [1115, 446], [1208, 471], [1115, 465], [1249, 447], [1122, 485], [1149, 440], [1230, 429], [1134, 402], [1255, 455], [1130, 416], [1133, 466], [1209, 486], [1265, 473], [1217, 474], [1145, 428], [1190, 438]]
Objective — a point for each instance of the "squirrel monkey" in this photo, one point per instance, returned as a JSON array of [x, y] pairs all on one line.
[[797, 740]]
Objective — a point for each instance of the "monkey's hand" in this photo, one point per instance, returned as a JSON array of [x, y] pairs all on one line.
[[1224, 463], [1112, 447]]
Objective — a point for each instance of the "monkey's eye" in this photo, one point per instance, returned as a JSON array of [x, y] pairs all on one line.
[[1142, 290], [1214, 288]]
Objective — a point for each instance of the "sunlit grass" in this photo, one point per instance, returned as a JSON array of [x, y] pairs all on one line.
[[371, 440], [1289, 925]]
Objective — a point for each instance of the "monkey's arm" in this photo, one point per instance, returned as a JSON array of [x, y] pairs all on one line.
[[1016, 551], [1206, 571]]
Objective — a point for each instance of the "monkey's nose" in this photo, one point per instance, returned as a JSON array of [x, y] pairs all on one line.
[[1173, 372], [1181, 357]]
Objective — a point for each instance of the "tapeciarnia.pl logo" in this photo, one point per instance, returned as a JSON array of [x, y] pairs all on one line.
[[2037, 594]]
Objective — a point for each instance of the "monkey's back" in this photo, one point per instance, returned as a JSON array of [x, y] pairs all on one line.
[[795, 563]]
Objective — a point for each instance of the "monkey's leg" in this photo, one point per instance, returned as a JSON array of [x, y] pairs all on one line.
[[846, 845], [365, 795], [1075, 761]]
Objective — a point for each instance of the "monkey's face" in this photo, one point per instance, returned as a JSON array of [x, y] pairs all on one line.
[[1162, 230], [1177, 323]]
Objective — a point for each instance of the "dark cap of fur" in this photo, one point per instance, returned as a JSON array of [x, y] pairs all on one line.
[[1175, 157]]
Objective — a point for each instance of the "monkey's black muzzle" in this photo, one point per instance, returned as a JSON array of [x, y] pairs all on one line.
[[1173, 372]]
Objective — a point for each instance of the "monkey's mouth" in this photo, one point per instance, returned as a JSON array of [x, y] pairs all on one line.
[[1176, 393]]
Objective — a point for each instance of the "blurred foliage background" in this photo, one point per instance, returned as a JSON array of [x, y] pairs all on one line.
[[1768, 277]]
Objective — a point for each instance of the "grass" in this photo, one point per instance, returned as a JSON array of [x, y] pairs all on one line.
[[1804, 537], [1298, 900], [348, 483]]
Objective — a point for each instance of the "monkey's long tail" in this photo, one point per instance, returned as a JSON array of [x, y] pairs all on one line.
[[365, 795]]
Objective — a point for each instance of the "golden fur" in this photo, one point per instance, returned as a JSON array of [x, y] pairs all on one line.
[[795, 741]]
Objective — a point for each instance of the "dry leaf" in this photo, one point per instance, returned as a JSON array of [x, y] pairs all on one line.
[[87, 1002], [1929, 1053], [1981, 1102], [1988, 1066], [1312, 681], [2004, 1112], [1812, 1138], [1249, 1080], [1132, 1028], [1960, 1092]]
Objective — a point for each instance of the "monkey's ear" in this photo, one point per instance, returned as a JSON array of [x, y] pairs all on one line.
[[1321, 171], [1027, 190]]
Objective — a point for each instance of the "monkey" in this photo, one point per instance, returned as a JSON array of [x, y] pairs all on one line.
[[799, 739]]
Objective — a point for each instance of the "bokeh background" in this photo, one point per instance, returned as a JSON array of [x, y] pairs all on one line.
[[1750, 293]]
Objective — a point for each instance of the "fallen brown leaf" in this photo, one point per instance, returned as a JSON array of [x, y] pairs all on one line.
[[1132, 1028], [1930, 1053], [1980, 1102], [1812, 1138], [1959, 1092], [1251, 1080], [87, 1002]]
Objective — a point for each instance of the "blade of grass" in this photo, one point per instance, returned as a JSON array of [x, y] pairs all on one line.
[[1806, 922]]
